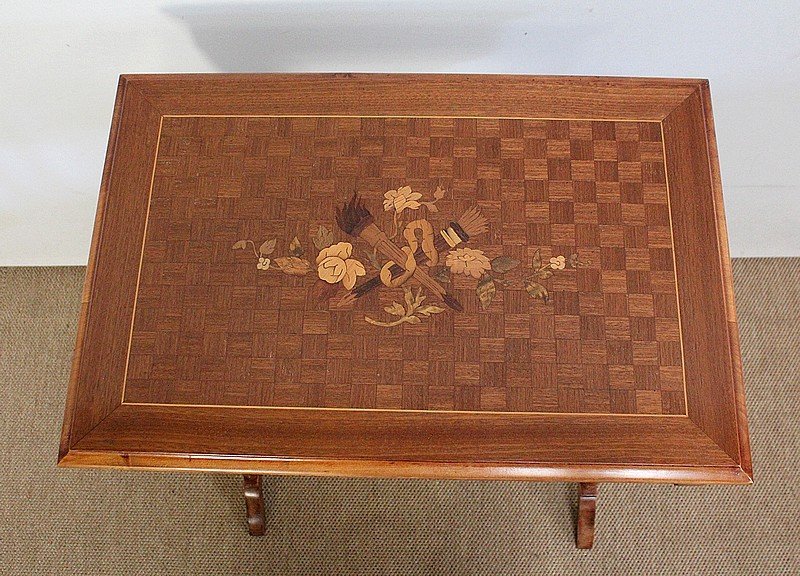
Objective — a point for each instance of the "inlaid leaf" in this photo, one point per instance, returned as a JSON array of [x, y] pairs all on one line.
[[429, 309], [267, 247], [293, 266], [576, 262], [323, 239], [431, 206], [372, 257], [295, 249], [413, 319], [240, 245], [322, 292], [441, 274], [543, 274], [486, 290], [503, 264], [408, 296], [536, 290], [573, 260], [396, 309], [537, 259], [419, 298], [439, 194]]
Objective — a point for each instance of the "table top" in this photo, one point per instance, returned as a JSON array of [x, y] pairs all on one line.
[[411, 275]]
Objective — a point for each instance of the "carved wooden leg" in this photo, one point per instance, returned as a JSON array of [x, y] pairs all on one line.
[[587, 503], [254, 501]]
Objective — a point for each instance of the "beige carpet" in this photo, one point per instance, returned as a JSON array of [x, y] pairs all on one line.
[[113, 522]]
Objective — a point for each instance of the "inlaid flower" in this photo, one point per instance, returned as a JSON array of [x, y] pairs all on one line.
[[558, 263], [335, 265], [401, 199], [468, 261], [263, 263]]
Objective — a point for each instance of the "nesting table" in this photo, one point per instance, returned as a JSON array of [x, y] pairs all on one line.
[[433, 276]]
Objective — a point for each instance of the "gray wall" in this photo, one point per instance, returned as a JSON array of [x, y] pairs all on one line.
[[59, 63]]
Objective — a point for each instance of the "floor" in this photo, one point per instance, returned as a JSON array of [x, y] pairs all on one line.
[[55, 521]]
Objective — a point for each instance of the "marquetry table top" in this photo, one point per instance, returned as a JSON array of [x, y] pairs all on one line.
[[442, 276]]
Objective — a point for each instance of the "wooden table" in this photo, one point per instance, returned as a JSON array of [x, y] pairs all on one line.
[[487, 277]]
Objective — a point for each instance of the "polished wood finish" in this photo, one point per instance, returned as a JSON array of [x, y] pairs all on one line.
[[183, 170], [587, 506], [356, 442], [743, 434], [212, 329], [254, 504]]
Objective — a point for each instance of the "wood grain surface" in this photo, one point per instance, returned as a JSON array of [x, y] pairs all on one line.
[[191, 350], [213, 329]]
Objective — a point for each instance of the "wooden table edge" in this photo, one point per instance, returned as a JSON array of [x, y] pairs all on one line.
[[88, 282], [726, 266], [541, 472]]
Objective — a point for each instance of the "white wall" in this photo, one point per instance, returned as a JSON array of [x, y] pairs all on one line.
[[59, 63]]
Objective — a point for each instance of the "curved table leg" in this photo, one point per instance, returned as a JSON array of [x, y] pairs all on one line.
[[587, 504], [254, 502]]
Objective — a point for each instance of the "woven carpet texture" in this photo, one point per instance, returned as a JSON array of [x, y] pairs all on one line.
[[55, 521]]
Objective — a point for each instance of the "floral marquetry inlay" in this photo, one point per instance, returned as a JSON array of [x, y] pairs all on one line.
[[411, 257]]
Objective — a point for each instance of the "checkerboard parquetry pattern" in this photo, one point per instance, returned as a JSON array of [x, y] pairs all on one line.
[[210, 328]]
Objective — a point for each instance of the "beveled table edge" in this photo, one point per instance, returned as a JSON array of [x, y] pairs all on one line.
[[694, 475]]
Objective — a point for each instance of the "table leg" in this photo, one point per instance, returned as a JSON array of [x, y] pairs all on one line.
[[587, 503], [254, 502]]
